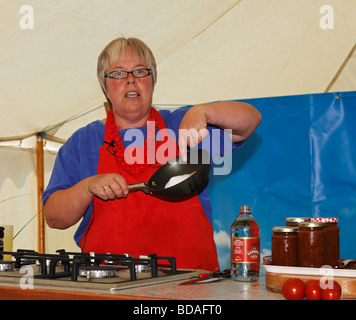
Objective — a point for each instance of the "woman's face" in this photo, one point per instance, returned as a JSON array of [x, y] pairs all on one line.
[[131, 98]]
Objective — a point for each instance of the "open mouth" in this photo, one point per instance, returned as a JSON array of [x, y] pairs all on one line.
[[132, 94]]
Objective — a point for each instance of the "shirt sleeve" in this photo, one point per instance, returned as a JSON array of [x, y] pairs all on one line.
[[66, 172], [77, 159]]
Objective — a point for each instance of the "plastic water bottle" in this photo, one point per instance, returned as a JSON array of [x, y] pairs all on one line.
[[245, 247]]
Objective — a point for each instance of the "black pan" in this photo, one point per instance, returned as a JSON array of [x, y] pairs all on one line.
[[188, 177]]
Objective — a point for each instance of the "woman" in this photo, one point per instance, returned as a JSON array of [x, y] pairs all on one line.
[[92, 171]]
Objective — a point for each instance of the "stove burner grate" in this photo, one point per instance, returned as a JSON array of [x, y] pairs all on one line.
[[89, 265]]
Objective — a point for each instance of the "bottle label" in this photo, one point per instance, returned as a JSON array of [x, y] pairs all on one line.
[[246, 249]]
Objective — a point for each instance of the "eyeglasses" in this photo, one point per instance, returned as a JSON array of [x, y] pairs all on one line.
[[110, 147], [119, 74]]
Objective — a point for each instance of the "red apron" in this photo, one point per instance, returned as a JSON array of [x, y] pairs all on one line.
[[142, 224]]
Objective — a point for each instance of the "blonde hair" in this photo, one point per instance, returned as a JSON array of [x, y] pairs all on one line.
[[116, 49]]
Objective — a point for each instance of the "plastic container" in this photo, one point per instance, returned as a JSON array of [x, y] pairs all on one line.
[[245, 247]]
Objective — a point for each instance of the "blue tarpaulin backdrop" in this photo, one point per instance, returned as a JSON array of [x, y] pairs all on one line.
[[300, 162]]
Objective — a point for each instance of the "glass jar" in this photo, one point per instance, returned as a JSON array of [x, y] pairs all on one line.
[[311, 244], [332, 234], [294, 221], [284, 246]]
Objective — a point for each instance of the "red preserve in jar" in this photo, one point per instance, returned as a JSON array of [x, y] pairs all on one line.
[[293, 221], [284, 246], [332, 234], [311, 244]]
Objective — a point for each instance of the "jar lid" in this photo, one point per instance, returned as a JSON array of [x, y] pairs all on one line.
[[297, 219], [284, 229], [311, 225], [325, 220]]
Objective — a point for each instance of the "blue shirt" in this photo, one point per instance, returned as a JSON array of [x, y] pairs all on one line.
[[78, 159]]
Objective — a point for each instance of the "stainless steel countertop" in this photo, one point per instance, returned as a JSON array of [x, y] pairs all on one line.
[[227, 289]]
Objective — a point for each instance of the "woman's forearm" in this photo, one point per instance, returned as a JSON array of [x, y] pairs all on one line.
[[240, 117], [66, 207]]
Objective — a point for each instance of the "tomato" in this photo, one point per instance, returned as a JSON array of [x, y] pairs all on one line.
[[333, 285], [313, 291], [294, 289], [338, 287], [317, 282], [331, 294]]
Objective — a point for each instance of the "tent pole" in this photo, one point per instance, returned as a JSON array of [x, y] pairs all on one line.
[[40, 189]]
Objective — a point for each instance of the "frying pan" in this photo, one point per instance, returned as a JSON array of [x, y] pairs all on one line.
[[188, 177]]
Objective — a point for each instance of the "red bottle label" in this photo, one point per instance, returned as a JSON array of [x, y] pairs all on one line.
[[246, 250]]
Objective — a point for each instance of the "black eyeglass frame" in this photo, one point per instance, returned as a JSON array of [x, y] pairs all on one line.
[[110, 147], [110, 74]]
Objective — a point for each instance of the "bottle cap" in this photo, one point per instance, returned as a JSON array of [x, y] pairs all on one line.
[[244, 208]]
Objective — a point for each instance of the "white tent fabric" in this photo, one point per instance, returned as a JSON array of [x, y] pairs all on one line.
[[206, 50]]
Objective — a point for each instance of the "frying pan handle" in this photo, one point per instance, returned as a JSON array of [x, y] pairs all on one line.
[[139, 186]]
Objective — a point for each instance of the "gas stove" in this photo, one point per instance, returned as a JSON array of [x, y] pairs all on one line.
[[92, 270]]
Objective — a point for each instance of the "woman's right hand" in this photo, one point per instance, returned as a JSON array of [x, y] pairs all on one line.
[[66, 207], [108, 186]]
